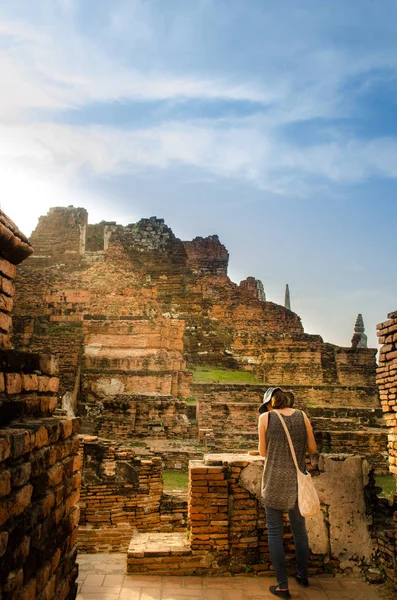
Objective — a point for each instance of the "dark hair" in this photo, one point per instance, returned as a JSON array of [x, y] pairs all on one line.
[[291, 398], [279, 400]]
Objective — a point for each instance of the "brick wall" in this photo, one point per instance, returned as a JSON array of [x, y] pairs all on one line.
[[227, 522], [207, 256], [345, 419], [120, 492], [39, 462], [14, 248], [128, 417], [302, 359], [387, 382], [60, 237]]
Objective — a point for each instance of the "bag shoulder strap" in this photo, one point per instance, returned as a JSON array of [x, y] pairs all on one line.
[[291, 446]]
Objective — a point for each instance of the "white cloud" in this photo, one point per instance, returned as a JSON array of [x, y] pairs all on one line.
[[55, 65], [43, 71], [238, 150]]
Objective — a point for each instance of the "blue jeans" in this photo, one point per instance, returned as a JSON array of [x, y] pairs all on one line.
[[275, 528]]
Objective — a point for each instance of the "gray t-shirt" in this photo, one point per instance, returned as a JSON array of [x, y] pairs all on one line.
[[279, 483]]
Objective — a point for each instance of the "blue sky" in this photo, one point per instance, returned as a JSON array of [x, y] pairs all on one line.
[[273, 124]]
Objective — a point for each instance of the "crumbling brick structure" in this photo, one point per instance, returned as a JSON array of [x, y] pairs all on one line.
[[39, 462], [227, 523], [128, 310], [387, 382], [122, 492]]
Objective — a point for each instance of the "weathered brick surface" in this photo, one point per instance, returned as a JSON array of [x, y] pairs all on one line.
[[345, 418], [60, 235], [39, 489], [127, 417], [122, 492], [99, 321], [14, 246], [227, 524], [207, 256], [127, 322], [254, 287], [387, 382], [39, 475]]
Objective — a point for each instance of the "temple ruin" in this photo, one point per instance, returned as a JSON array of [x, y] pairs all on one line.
[[131, 315]]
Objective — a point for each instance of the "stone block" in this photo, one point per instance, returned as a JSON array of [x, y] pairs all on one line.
[[30, 382], [5, 341], [7, 269], [4, 535], [46, 505], [22, 441], [5, 483], [49, 364], [55, 475], [21, 474], [5, 447], [13, 583], [13, 383], [5, 322], [22, 499], [41, 438], [6, 287], [22, 551]]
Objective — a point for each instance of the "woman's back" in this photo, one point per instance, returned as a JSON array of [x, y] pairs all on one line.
[[280, 488]]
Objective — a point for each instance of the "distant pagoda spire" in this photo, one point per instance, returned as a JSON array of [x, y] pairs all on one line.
[[359, 339], [287, 299]]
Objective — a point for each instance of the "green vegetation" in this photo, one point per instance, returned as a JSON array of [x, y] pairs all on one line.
[[209, 375], [190, 400], [173, 480], [388, 484]]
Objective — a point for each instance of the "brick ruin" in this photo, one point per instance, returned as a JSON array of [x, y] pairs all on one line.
[[387, 382], [39, 460], [228, 524], [129, 312]]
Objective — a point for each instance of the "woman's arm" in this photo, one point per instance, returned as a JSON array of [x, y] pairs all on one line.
[[311, 442], [262, 427]]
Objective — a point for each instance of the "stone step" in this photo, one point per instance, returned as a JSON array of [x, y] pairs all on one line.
[[161, 553], [158, 544]]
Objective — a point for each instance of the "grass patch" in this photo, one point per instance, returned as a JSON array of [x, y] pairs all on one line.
[[388, 484], [173, 480], [190, 400], [208, 375]]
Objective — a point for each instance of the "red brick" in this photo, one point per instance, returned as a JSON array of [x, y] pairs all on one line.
[[55, 475], [7, 269], [5, 483], [5, 322], [30, 382], [13, 383], [6, 286], [6, 303]]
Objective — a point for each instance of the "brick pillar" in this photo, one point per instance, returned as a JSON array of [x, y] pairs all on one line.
[[208, 507]]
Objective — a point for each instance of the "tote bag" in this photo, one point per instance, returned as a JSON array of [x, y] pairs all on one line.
[[308, 502]]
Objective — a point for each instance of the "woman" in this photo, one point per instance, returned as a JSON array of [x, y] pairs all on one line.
[[279, 485]]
